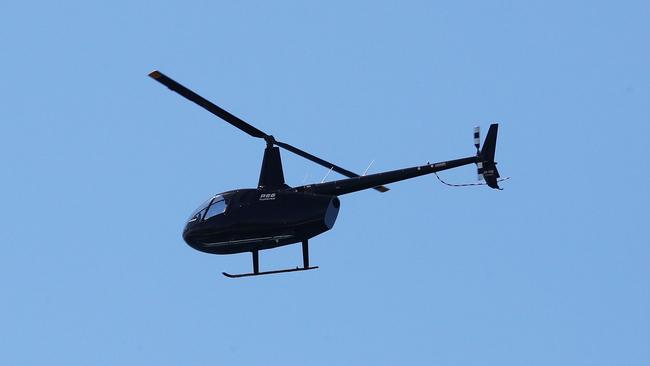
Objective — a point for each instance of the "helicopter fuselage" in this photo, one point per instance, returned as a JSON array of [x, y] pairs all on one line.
[[252, 219], [275, 214]]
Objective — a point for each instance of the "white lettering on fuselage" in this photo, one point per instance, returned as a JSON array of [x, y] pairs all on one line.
[[267, 197]]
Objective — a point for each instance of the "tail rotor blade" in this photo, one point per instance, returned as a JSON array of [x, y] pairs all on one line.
[[477, 145]]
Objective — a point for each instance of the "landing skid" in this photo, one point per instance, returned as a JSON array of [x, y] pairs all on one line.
[[267, 272], [256, 265]]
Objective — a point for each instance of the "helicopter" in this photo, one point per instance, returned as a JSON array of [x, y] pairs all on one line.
[[275, 214]]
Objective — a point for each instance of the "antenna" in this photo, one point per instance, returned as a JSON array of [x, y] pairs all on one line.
[[328, 173], [369, 165]]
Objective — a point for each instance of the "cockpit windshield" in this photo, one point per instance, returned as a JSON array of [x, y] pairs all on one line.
[[214, 206], [198, 213]]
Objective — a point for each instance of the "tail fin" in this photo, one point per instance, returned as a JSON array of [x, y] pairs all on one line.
[[487, 167]]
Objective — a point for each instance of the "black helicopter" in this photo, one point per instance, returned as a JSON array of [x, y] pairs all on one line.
[[275, 214]]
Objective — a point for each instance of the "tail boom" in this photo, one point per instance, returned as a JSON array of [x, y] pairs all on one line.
[[344, 186], [484, 159]]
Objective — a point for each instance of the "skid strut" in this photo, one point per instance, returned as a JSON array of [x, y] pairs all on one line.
[[256, 261], [256, 264]]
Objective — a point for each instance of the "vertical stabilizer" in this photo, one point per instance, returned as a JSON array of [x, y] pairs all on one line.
[[487, 167]]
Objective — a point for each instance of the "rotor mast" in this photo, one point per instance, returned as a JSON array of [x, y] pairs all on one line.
[[271, 174]]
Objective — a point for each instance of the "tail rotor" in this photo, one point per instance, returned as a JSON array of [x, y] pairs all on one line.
[[486, 167], [477, 144]]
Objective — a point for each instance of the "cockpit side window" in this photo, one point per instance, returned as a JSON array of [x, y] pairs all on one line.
[[218, 207]]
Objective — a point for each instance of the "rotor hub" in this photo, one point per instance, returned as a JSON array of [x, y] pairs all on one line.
[[270, 140]]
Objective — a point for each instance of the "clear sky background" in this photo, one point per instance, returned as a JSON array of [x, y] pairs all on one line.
[[100, 167]]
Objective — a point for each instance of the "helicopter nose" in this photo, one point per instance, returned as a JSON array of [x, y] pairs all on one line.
[[189, 234]]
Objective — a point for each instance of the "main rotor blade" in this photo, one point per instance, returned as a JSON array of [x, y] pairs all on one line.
[[322, 162], [211, 107], [244, 126]]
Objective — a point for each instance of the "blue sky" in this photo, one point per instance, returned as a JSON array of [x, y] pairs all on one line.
[[101, 166]]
